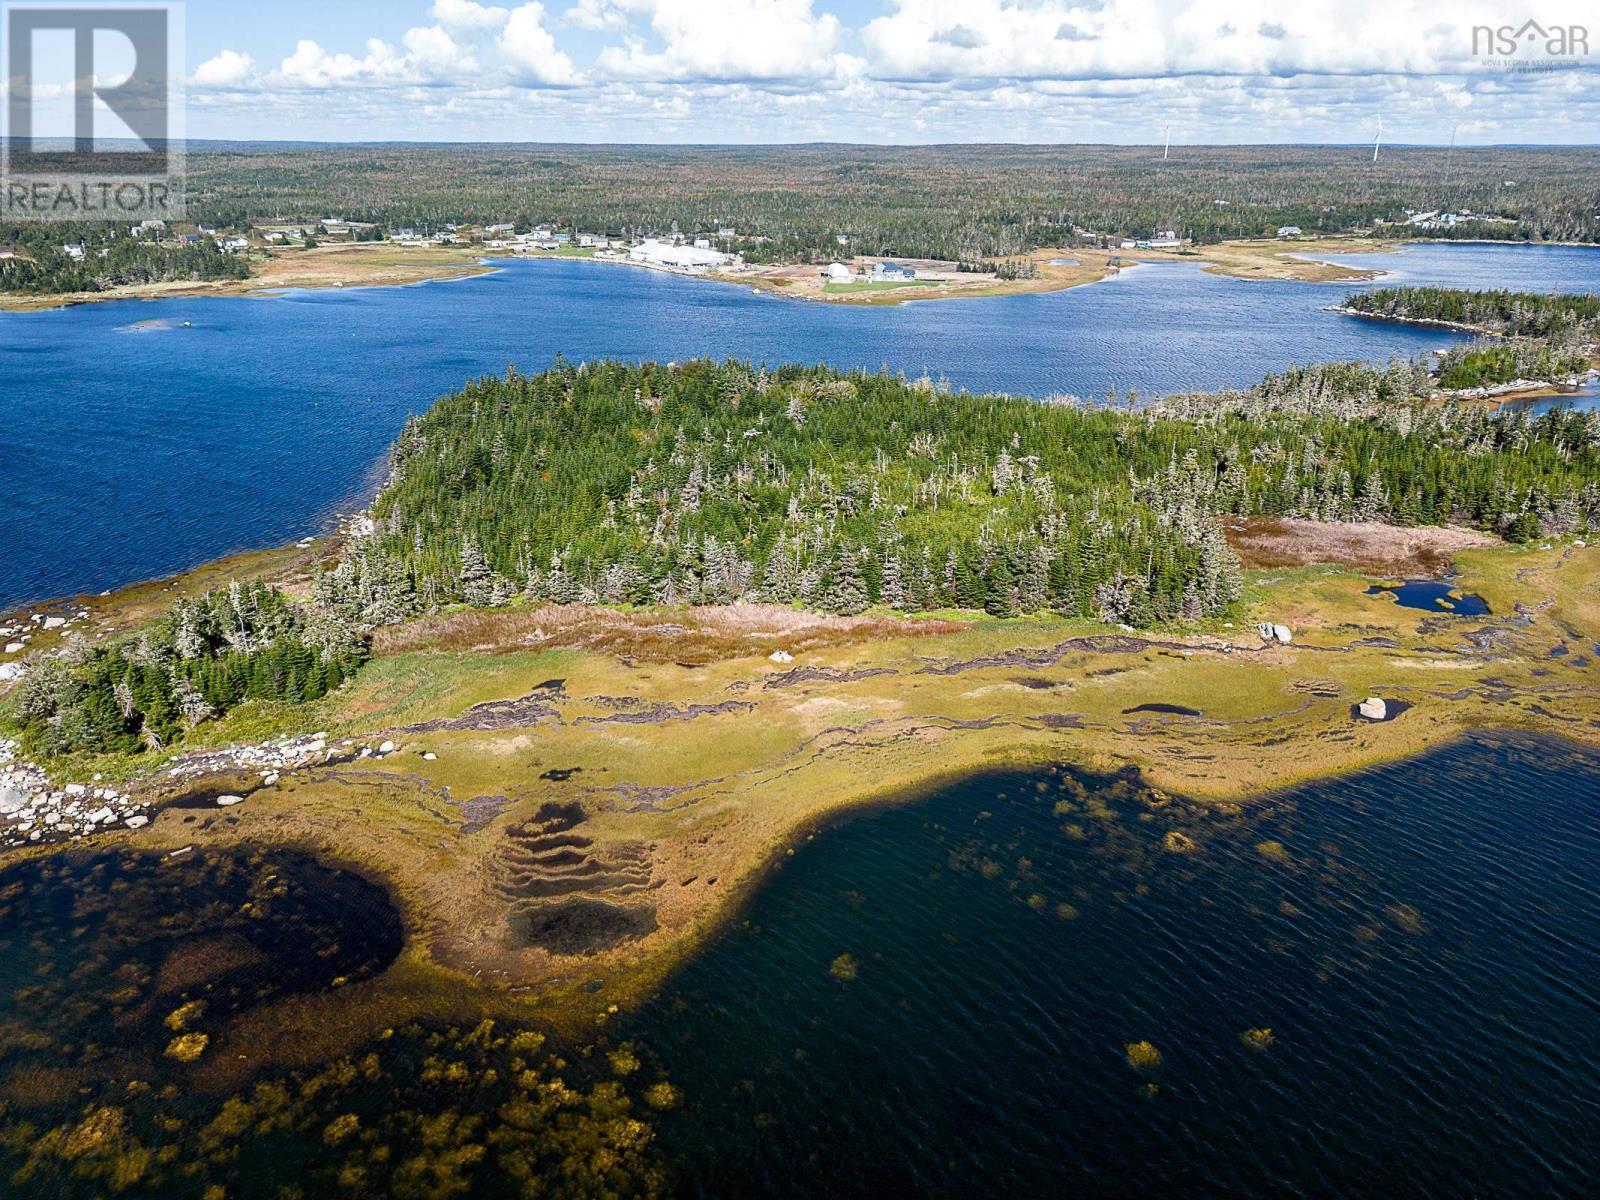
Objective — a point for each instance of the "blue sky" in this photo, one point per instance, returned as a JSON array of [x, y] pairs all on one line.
[[887, 71]]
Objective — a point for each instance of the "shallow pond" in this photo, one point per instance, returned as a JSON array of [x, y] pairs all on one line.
[[1041, 984], [1432, 595]]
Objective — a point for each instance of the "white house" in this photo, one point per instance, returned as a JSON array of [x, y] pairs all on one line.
[[74, 251], [1288, 231], [839, 273], [505, 228], [1164, 239], [232, 245], [893, 270]]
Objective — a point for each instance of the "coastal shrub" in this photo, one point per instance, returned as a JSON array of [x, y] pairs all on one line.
[[203, 658]]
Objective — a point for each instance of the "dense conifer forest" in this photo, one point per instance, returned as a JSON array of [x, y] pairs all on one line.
[[1514, 314], [245, 642], [708, 483]]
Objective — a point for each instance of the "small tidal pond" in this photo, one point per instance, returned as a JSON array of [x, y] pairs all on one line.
[[1432, 595]]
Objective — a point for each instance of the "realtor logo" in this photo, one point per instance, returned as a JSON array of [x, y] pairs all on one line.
[[1530, 46], [94, 111]]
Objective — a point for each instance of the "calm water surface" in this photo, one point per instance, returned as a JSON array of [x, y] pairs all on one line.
[[137, 447], [1422, 942]]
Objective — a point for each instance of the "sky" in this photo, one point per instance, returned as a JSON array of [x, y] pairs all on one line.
[[893, 71]]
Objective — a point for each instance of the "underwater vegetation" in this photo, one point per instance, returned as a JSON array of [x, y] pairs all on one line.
[[122, 977], [420, 1114], [110, 962], [1143, 1056]]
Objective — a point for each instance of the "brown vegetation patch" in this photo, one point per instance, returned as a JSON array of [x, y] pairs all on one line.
[[1387, 549], [521, 713], [656, 714], [799, 675], [693, 636]]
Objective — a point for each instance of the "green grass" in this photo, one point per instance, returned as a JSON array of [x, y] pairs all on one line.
[[869, 285]]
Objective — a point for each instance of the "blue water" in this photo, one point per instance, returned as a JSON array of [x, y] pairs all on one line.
[[1422, 941], [1432, 595], [1585, 399], [137, 447]]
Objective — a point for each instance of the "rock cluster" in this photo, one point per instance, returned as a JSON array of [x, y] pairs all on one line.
[[32, 811], [266, 758], [1275, 633], [17, 633]]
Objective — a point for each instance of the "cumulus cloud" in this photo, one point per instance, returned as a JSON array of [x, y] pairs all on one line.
[[530, 49], [1088, 39], [227, 69], [1240, 70], [729, 40], [465, 17], [612, 16]]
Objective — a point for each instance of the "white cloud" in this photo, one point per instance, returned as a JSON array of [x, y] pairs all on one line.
[[432, 51], [465, 17], [531, 51], [612, 16], [1090, 39], [1048, 70], [227, 69], [730, 40]]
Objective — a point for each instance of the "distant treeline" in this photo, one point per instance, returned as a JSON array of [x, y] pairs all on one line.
[[708, 483], [1514, 314], [959, 203], [111, 257]]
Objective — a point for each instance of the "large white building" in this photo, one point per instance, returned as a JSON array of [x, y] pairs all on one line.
[[684, 258]]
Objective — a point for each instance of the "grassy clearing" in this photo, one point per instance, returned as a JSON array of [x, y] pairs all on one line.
[[857, 287]]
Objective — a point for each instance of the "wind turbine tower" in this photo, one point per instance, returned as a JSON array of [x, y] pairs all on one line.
[[1377, 141], [1166, 148]]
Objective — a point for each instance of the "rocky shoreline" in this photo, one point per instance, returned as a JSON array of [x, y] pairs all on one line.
[[32, 812]]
